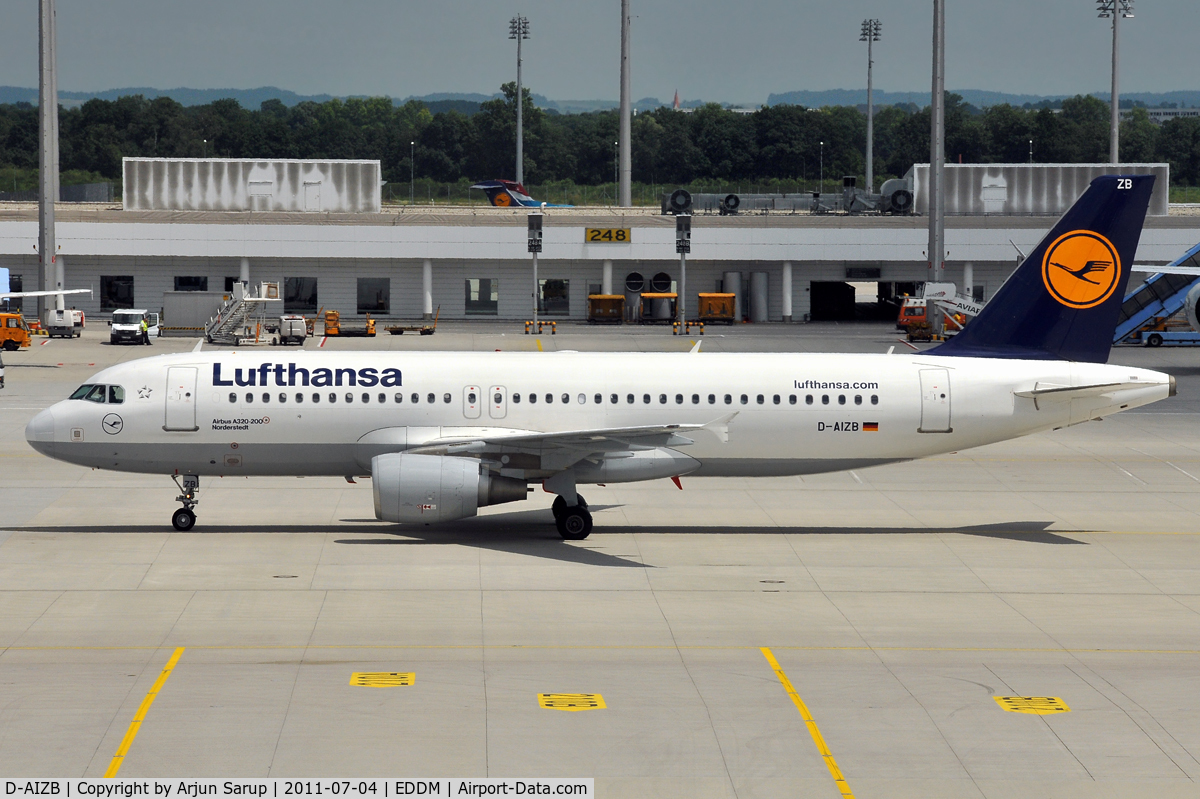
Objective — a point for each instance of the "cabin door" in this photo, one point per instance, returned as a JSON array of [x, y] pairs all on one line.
[[935, 401], [181, 399]]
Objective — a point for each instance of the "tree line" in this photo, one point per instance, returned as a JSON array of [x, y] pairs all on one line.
[[777, 146]]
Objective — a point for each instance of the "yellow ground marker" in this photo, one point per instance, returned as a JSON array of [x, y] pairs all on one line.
[[1037, 705], [138, 717], [830, 763], [571, 701], [382, 679], [538, 341]]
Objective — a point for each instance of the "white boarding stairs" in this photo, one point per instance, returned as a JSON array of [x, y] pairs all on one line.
[[230, 326]]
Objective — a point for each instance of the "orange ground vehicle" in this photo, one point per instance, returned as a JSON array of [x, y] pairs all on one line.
[[14, 333], [912, 311]]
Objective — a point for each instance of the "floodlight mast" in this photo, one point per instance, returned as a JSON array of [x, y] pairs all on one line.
[[937, 161], [1115, 9], [518, 28], [624, 189], [870, 35], [51, 267]]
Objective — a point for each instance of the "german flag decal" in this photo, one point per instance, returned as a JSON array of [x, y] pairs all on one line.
[[870, 427]]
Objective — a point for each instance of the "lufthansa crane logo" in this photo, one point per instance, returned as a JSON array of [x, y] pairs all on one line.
[[112, 424], [1081, 269], [503, 200]]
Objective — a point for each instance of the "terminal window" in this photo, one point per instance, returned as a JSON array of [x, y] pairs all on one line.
[[483, 296], [374, 295], [554, 298], [300, 295], [191, 283], [116, 291]]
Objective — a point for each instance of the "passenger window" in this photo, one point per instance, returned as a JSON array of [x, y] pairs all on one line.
[[566, 398], [775, 399], [858, 399], [116, 395], [446, 398], [745, 399], [299, 397], [96, 394], [678, 399], [382, 398], [645, 399], [366, 398], [249, 398], [399, 397], [416, 398], [808, 399], [824, 399], [532, 398], [549, 398], [613, 398], [759, 399], [662, 399], [841, 399], [695, 399], [232, 397], [874, 399], [629, 398], [516, 397], [599, 398], [316, 397], [582, 399], [282, 397], [712, 399], [349, 397], [728, 399], [791, 399], [266, 397], [332, 397]]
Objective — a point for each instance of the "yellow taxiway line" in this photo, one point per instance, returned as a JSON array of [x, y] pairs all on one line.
[[811, 723], [138, 717]]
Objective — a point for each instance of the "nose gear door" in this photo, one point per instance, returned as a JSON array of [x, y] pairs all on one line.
[[181, 399]]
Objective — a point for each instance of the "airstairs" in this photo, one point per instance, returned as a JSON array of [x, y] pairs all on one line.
[[235, 320], [1163, 295]]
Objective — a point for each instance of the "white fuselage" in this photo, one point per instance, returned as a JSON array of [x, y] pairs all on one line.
[[254, 412]]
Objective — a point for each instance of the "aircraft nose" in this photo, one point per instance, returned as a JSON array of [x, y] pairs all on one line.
[[40, 432]]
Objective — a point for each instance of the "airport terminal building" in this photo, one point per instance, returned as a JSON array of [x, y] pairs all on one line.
[[318, 229]]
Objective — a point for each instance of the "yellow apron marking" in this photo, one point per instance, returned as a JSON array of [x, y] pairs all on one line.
[[830, 763], [1037, 705], [571, 701], [138, 717], [382, 679], [538, 341]]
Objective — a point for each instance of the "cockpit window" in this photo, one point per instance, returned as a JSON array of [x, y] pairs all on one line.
[[92, 392], [82, 391], [116, 395], [96, 394]]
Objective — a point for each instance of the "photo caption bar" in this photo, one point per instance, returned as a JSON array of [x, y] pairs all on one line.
[[375, 788]]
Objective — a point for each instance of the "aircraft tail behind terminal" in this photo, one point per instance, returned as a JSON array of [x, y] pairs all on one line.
[[1063, 300], [510, 194]]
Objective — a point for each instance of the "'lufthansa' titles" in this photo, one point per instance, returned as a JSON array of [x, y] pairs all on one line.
[[280, 374]]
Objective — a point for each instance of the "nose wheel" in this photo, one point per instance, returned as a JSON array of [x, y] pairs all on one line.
[[184, 518]]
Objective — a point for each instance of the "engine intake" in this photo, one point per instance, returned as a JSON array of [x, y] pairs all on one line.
[[436, 488]]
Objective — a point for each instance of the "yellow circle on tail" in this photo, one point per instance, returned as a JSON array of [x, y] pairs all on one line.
[[1081, 269]]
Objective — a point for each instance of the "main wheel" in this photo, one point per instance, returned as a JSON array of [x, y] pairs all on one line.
[[183, 519], [560, 505], [574, 524]]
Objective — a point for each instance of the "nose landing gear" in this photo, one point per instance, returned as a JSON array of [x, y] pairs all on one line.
[[185, 518]]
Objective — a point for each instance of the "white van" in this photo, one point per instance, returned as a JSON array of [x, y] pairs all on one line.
[[126, 326]]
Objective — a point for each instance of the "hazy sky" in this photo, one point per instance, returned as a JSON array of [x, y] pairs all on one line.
[[707, 49]]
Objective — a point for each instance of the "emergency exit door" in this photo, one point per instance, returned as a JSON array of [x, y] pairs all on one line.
[[472, 400], [935, 401], [181, 399]]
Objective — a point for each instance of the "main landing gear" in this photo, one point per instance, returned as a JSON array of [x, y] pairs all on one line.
[[184, 519], [574, 522]]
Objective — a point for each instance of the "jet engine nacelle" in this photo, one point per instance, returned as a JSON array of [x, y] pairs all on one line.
[[436, 488]]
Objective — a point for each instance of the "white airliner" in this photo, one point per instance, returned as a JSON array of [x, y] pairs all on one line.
[[442, 434]]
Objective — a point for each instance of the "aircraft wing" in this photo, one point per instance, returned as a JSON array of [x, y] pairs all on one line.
[[5, 295], [564, 448]]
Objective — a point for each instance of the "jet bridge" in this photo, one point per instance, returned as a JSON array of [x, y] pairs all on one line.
[[1163, 295]]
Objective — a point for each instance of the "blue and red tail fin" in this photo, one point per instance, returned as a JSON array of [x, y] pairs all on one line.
[[1063, 300]]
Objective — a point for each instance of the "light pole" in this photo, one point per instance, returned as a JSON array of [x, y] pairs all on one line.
[[937, 161], [412, 170], [870, 35], [518, 28], [205, 148], [1115, 9], [1031, 151], [625, 172], [616, 171], [821, 187]]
